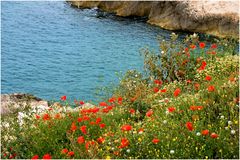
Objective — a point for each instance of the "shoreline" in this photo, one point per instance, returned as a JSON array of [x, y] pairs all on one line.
[[191, 16]]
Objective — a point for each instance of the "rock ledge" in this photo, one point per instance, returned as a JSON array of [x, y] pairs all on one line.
[[218, 18]]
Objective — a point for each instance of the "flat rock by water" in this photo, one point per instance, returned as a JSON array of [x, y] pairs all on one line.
[[12, 102], [18, 101]]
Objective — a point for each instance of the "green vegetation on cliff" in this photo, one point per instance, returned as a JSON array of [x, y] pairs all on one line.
[[186, 105]]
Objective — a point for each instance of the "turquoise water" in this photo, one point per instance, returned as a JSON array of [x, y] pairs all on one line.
[[50, 49]]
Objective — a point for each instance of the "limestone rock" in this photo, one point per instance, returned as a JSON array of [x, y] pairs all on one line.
[[12, 102], [219, 18]]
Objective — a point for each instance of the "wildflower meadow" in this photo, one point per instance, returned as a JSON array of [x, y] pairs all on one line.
[[184, 105]]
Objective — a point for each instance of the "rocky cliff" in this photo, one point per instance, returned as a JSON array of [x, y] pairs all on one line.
[[219, 18]]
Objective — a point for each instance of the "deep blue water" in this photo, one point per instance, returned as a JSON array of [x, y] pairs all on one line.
[[50, 49]]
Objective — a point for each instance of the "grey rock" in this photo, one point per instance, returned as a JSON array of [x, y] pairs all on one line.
[[18, 101]]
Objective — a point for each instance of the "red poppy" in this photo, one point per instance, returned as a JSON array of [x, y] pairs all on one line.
[[186, 49], [171, 109], [126, 127], [64, 151], [149, 113], [46, 117], [116, 153], [92, 123], [83, 129], [197, 86], [37, 116], [105, 110], [155, 89], [112, 99], [86, 118], [231, 79], [203, 66], [193, 46], [214, 135], [124, 143], [11, 156], [205, 132], [188, 81], [177, 92], [189, 126], [214, 46], [35, 157], [14, 155], [81, 102], [46, 156], [213, 52], [204, 63], [100, 140], [120, 100], [155, 141], [102, 104], [98, 120], [158, 82], [109, 107], [70, 153], [102, 125], [208, 78], [83, 111], [80, 140], [57, 116], [73, 127], [80, 119], [193, 108], [95, 110], [211, 88], [164, 90], [199, 107], [202, 45], [132, 111], [63, 98]]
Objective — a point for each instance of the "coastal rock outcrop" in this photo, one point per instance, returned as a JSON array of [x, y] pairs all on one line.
[[18, 101], [218, 18]]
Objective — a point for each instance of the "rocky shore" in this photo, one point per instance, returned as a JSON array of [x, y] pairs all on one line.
[[18, 102], [218, 18]]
